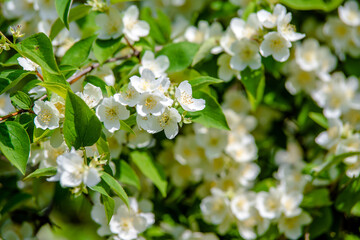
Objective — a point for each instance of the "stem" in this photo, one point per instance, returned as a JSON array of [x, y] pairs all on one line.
[[39, 75], [2, 34], [135, 52], [15, 113]]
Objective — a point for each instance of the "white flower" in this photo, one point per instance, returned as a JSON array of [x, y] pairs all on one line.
[[242, 148], [110, 112], [339, 33], [254, 224], [241, 204], [215, 208], [307, 55], [140, 139], [72, 171], [350, 14], [287, 30], [327, 64], [247, 173], [212, 140], [128, 223], [186, 150], [290, 203], [269, 20], [225, 72], [332, 135], [183, 94], [276, 45], [154, 103], [291, 227], [146, 83], [247, 29], [300, 80], [5, 104], [157, 65], [27, 64], [134, 28], [110, 24], [46, 8], [92, 95], [168, 121], [268, 203], [245, 54], [129, 97], [47, 115], [203, 32]]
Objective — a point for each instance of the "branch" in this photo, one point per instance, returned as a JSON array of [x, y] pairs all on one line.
[[15, 113], [76, 77]]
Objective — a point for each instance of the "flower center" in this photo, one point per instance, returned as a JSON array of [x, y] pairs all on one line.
[[45, 116], [111, 112], [186, 98], [164, 120], [150, 103]]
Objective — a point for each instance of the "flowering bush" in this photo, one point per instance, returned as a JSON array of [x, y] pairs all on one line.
[[180, 119]]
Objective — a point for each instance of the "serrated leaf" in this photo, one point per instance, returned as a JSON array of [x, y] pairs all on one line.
[[326, 6], [212, 115], [81, 126], [58, 88], [203, 81], [116, 187], [180, 55], [127, 175], [63, 9], [42, 172], [79, 52], [22, 100], [146, 165], [15, 144]]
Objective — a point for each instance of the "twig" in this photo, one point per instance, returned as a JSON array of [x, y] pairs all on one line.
[[135, 52], [76, 77], [15, 113], [39, 75]]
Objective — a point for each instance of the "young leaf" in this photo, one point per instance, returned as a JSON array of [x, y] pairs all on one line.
[[203, 81], [38, 48], [326, 6], [211, 116], [319, 119], [109, 205], [22, 100], [115, 186], [102, 188], [58, 88], [10, 78], [150, 170], [125, 127], [79, 52], [254, 82], [81, 126], [127, 175], [15, 144], [76, 13], [42, 172], [63, 8], [204, 50], [180, 55]]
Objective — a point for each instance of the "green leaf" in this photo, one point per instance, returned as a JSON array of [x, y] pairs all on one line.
[[78, 53], [115, 186], [58, 88], [63, 8], [127, 175], [333, 160], [204, 50], [321, 223], [320, 119], [101, 188], [109, 205], [81, 126], [38, 48], [254, 82], [22, 100], [325, 5], [125, 127], [203, 81], [355, 210], [180, 55], [349, 196], [42, 172], [76, 13], [317, 198], [96, 81], [146, 165], [10, 78], [15, 144], [105, 49], [212, 115], [159, 28], [118, 1], [15, 202]]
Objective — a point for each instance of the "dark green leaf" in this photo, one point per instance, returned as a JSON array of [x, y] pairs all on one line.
[[127, 175], [22, 100], [78, 53], [116, 187], [15, 144], [109, 205], [180, 55], [81, 126], [102, 188], [150, 170], [157, 32], [203, 81], [211, 116], [317, 198], [42, 172], [349, 196], [321, 223], [105, 49], [63, 8], [254, 82], [10, 78]]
